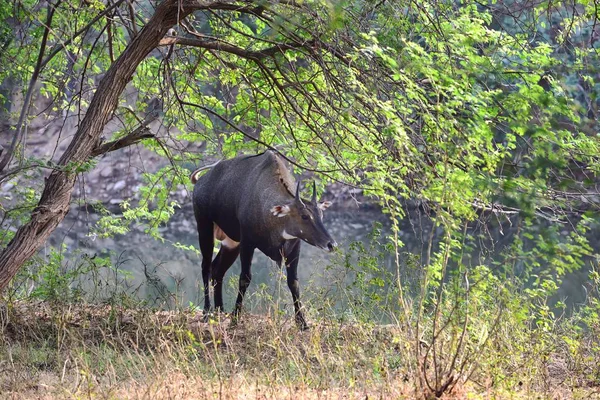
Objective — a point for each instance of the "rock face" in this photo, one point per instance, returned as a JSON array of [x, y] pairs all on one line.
[[120, 185], [106, 172]]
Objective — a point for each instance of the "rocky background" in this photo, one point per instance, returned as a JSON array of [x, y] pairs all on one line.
[[117, 177], [161, 266]]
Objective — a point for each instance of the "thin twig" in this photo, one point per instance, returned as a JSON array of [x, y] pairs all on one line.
[[8, 155]]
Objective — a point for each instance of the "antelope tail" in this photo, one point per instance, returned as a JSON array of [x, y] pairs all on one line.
[[194, 175]]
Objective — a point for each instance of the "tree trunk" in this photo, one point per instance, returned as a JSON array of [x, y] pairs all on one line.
[[54, 203]]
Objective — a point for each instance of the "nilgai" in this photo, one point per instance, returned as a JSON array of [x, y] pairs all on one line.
[[249, 203]]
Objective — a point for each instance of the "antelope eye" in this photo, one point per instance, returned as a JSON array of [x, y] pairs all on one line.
[[304, 216]]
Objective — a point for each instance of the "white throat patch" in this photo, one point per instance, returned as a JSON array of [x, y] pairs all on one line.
[[287, 236]]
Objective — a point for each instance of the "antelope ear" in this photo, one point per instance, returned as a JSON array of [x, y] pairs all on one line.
[[280, 211], [325, 205]]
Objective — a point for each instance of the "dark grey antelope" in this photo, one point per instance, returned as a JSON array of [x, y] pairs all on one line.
[[249, 203]]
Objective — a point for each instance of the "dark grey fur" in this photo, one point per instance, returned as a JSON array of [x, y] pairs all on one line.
[[241, 196]]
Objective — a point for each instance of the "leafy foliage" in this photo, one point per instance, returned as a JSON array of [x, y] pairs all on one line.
[[482, 114]]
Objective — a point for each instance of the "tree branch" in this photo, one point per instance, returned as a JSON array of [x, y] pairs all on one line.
[[199, 5], [56, 196], [8, 156], [142, 132], [238, 51], [59, 46]]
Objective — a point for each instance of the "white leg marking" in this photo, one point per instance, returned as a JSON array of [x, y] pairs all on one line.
[[230, 243], [225, 240]]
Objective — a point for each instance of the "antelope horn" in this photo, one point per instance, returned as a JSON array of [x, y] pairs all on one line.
[[298, 193]]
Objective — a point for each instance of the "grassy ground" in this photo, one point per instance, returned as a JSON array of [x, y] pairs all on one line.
[[50, 351]]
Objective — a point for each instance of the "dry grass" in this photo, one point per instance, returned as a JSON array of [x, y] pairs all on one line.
[[103, 352]]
